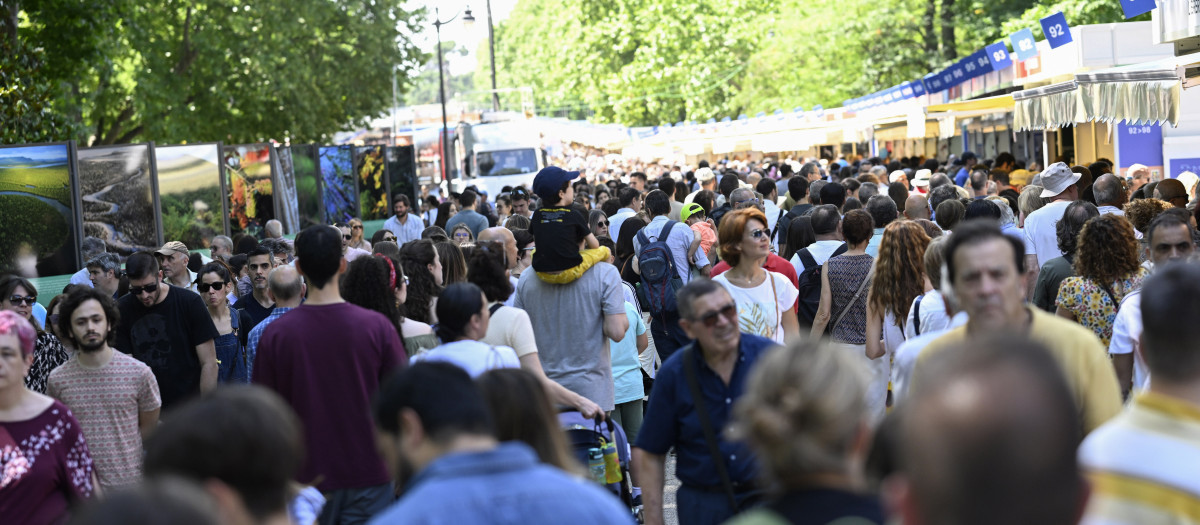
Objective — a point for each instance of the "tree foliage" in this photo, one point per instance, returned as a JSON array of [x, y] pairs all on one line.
[[230, 70], [647, 62]]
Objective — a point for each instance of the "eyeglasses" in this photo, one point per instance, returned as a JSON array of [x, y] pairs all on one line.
[[203, 287], [28, 300], [462, 235], [139, 290], [759, 233], [728, 311]]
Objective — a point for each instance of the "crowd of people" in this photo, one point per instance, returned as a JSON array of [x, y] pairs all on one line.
[[811, 340]]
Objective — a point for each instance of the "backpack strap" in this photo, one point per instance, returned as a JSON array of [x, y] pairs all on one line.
[[840, 250], [710, 436], [778, 221], [494, 307], [917, 315], [806, 257], [666, 231]]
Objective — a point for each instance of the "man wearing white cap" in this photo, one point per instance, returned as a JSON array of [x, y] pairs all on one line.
[[1059, 186], [899, 176], [1140, 174], [707, 180]]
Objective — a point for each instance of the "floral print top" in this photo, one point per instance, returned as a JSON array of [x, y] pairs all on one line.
[[48, 353], [44, 467], [1092, 306]]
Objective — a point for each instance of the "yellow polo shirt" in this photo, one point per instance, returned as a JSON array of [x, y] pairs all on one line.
[[1089, 373]]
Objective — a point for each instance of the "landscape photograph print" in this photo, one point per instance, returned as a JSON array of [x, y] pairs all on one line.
[[308, 184], [116, 186], [38, 210], [337, 184], [191, 202]]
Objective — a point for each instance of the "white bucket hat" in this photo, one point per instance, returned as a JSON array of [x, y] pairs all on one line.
[[1056, 179]]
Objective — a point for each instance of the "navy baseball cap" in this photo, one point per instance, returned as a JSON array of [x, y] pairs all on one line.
[[548, 182]]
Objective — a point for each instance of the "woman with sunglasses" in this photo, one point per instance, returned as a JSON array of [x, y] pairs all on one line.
[[356, 236], [18, 295], [461, 235], [382, 235], [45, 466], [598, 223], [213, 282], [765, 300]]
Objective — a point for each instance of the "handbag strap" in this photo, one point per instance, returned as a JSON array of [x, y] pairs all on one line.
[[775, 301], [689, 371], [846, 309]]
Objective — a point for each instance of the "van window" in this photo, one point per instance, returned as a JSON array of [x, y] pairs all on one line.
[[507, 162]]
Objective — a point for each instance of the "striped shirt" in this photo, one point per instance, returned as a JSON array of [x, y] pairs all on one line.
[[1144, 464], [256, 334]]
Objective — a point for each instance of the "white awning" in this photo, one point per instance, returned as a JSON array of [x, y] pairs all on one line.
[[1139, 93]]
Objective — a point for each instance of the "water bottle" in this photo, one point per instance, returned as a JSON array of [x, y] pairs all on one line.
[[612, 464], [596, 465]]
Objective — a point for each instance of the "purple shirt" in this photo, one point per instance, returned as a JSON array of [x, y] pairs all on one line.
[[327, 361]]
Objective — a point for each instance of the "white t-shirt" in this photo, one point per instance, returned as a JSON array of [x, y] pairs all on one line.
[[933, 315], [1040, 230], [473, 356], [820, 251], [1127, 332], [761, 309]]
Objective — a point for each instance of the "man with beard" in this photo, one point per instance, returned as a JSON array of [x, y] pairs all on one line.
[[114, 396]]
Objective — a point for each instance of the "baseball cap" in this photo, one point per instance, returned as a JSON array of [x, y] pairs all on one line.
[[689, 210], [705, 174], [1057, 178], [173, 247], [548, 182]]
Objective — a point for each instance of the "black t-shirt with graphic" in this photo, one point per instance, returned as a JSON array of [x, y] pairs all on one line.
[[165, 337]]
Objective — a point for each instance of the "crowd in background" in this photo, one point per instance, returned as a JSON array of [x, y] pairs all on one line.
[[965, 341]]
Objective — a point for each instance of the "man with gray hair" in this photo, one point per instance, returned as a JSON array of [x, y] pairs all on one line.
[[811, 171], [286, 289], [274, 229], [221, 247], [104, 273], [91, 247]]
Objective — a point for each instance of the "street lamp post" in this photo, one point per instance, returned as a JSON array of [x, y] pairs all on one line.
[[491, 50], [437, 25]]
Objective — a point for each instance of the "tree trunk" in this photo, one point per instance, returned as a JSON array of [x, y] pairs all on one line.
[[949, 47], [931, 40], [12, 13]]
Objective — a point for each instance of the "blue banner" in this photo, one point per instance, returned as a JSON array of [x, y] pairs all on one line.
[[1024, 46], [997, 54], [1139, 144], [1057, 32], [1133, 8]]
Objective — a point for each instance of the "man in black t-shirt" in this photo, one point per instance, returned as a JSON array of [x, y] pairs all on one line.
[[169, 329], [258, 304]]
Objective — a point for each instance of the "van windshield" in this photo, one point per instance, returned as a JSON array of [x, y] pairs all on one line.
[[507, 162]]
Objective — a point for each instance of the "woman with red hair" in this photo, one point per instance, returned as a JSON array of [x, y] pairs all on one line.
[[765, 300]]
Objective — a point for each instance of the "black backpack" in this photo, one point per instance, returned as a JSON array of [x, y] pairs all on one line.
[[659, 279], [809, 282]]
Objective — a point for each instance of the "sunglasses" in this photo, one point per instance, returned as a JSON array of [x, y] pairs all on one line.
[[346, 236], [393, 239], [602, 223], [356, 227], [28, 300], [759, 233], [203, 287], [463, 235], [139, 290], [728, 311]]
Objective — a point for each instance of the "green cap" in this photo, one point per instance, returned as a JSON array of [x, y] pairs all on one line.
[[689, 210]]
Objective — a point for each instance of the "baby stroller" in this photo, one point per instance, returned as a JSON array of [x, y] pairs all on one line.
[[584, 434]]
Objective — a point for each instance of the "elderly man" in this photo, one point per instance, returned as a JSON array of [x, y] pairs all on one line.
[[221, 247], [173, 259], [1110, 194], [1060, 189], [91, 247], [986, 270], [714, 369], [916, 207]]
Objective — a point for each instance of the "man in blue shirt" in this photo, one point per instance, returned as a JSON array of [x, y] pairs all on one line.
[[631, 203], [405, 225], [721, 358], [459, 472], [467, 215], [968, 159], [668, 337]]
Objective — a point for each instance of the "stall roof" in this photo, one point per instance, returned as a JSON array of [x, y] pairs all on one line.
[[1000, 102]]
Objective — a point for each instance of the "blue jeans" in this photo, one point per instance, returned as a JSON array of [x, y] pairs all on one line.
[[356, 506]]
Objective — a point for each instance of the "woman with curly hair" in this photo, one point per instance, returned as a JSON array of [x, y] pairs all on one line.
[[454, 262], [899, 278], [1107, 269], [424, 270], [378, 283], [1050, 277], [1140, 212], [806, 416]]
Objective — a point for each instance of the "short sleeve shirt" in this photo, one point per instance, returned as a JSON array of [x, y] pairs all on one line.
[[568, 323], [626, 367], [761, 309], [107, 402], [165, 337], [510, 327], [679, 241], [1091, 304]]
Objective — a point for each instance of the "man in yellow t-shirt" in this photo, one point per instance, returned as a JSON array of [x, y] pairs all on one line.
[[987, 272]]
